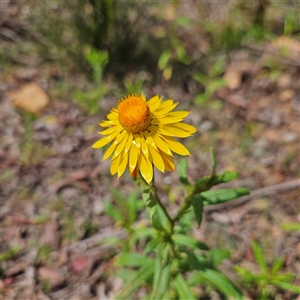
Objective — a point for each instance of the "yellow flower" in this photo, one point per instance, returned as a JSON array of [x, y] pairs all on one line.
[[141, 134]]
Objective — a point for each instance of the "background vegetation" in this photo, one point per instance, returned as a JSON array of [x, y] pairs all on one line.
[[234, 64]]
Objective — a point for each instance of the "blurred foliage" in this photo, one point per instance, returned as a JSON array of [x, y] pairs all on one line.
[[154, 37]]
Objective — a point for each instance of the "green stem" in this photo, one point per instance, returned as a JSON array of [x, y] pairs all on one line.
[[188, 198], [154, 189]]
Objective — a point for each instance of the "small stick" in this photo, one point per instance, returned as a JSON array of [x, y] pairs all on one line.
[[269, 190]]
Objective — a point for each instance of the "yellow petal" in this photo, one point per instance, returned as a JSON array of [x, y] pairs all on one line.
[[172, 117], [111, 130], [175, 146], [154, 103], [115, 165], [157, 159], [137, 140], [161, 144], [120, 136], [179, 129], [168, 161], [113, 115], [133, 157], [109, 123], [146, 168], [165, 108], [104, 141], [145, 148], [150, 141], [129, 142], [123, 164], [121, 145], [109, 151]]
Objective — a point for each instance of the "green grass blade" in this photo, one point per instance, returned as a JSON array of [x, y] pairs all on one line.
[[259, 257]]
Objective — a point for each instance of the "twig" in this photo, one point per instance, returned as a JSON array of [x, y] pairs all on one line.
[[93, 241], [269, 190]]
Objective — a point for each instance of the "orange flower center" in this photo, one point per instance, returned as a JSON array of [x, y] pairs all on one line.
[[134, 114]]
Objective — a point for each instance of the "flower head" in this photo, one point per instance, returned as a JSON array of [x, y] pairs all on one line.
[[141, 135]]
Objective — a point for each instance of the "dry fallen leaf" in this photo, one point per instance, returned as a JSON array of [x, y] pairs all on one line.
[[29, 97]]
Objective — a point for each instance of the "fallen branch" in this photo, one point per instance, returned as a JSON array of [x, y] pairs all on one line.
[[269, 190]]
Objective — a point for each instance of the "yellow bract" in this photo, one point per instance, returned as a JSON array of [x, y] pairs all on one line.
[[141, 135]]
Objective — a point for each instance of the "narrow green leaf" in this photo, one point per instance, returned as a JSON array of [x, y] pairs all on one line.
[[182, 167], [152, 245], [200, 78], [290, 226], [140, 277], [157, 276], [222, 283], [111, 211], [164, 59], [185, 240], [227, 176], [126, 274], [150, 201], [217, 255], [161, 218], [132, 260], [223, 195], [143, 232], [182, 288], [132, 206], [197, 261], [213, 160], [287, 286], [277, 265], [161, 284], [197, 204], [259, 257]]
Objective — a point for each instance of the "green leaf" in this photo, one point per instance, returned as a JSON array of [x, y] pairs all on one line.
[[182, 288], [226, 176], [204, 184], [197, 204], [111, 211], [143, 232], [150, 201], [197, 261], [161, 221], [162, 275], [222, 283], [200, 78], [217, 255], [185, 240], [126, 274], [144, 274], [157, 276], [290, 226], [132, 260], [132, 207], [213, 160], [182, 167], [164, 59], [152, 245], [259, 257], [277, 265], [287, 286], [223, 195]]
